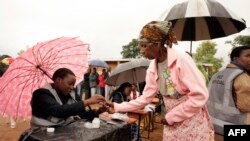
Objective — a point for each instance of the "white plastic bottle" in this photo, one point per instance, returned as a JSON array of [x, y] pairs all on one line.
[[96, 123]]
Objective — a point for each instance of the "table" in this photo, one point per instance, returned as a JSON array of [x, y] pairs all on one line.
[[140, 114], [77, 132]]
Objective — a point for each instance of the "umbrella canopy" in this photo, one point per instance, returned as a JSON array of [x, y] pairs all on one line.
[[34, 68], [132, 72], [98, 63], [195, 20]]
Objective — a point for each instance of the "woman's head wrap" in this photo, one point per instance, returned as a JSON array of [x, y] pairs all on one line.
[[158, 32]]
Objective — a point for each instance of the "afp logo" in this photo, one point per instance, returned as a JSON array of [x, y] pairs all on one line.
[[241, 132]]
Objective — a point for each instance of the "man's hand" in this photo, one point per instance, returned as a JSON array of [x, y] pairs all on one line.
[[93, 100], [101, 110]]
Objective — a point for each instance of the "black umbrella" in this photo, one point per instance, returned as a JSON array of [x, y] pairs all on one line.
[[195, 20], [132, 72]]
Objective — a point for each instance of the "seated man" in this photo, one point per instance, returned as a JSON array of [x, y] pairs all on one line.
[[229, 91], [55, 105]]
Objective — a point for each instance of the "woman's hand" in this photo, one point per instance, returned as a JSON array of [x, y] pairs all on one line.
[[110, 107], [109, 104], [111, 110], [164, 121], [93, 100], [101, 110]]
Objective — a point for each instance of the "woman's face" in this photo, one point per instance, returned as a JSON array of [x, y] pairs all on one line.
[[244, 59], [127, 90], [66, 84], [149, 50]]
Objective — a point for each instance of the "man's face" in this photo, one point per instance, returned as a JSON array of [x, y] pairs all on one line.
[[66, 84], [244, 59]]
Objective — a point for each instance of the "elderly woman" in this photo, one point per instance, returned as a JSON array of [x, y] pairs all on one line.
[[175, 76]]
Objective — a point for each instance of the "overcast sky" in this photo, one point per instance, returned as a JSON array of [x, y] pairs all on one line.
[[106, 25]]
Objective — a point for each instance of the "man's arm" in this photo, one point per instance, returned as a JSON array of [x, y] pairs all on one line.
[[44, 105]]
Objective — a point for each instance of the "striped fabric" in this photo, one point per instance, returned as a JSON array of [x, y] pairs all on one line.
[[196, 20]]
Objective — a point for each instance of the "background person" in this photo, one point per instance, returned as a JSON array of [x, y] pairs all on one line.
[[93, 81], [229, 89], [108, 88], [134, 93], [85, 84], [120, 95], [102, 84]]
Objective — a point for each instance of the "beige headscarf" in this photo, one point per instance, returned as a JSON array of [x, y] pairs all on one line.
[[158, 32]]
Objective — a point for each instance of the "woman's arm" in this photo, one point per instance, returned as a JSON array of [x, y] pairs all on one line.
[[149, 93], [191, 78]]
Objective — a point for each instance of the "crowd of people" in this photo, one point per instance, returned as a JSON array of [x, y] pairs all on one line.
[[191, 110], [94, 83]]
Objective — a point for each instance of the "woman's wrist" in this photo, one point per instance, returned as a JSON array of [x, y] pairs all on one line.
[[164, 121]]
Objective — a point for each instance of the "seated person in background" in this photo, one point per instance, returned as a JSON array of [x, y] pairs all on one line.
[[55, 105], [229, 92], [121, 94], [134, 93]]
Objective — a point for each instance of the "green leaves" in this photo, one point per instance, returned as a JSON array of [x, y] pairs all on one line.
[[241, 40], [131, 50], [206, 60]]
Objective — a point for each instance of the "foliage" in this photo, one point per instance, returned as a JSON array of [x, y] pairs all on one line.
[[131, 50], [3, 67], [241, 40], [3, 56], [20, 52], [203, 71], [205, 56]]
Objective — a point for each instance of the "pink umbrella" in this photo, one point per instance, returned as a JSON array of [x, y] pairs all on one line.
[[34, 68]]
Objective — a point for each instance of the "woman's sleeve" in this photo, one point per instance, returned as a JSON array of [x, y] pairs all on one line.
[[149, 93], [192, 79]]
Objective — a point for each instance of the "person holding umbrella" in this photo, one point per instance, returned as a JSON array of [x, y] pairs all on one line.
[[175, 76], [54, 104]]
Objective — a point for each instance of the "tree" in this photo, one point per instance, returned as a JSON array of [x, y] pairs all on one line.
[[20, 52], [4, 56], [205, 57], [3, 67], [131, 50], [241, 40]]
